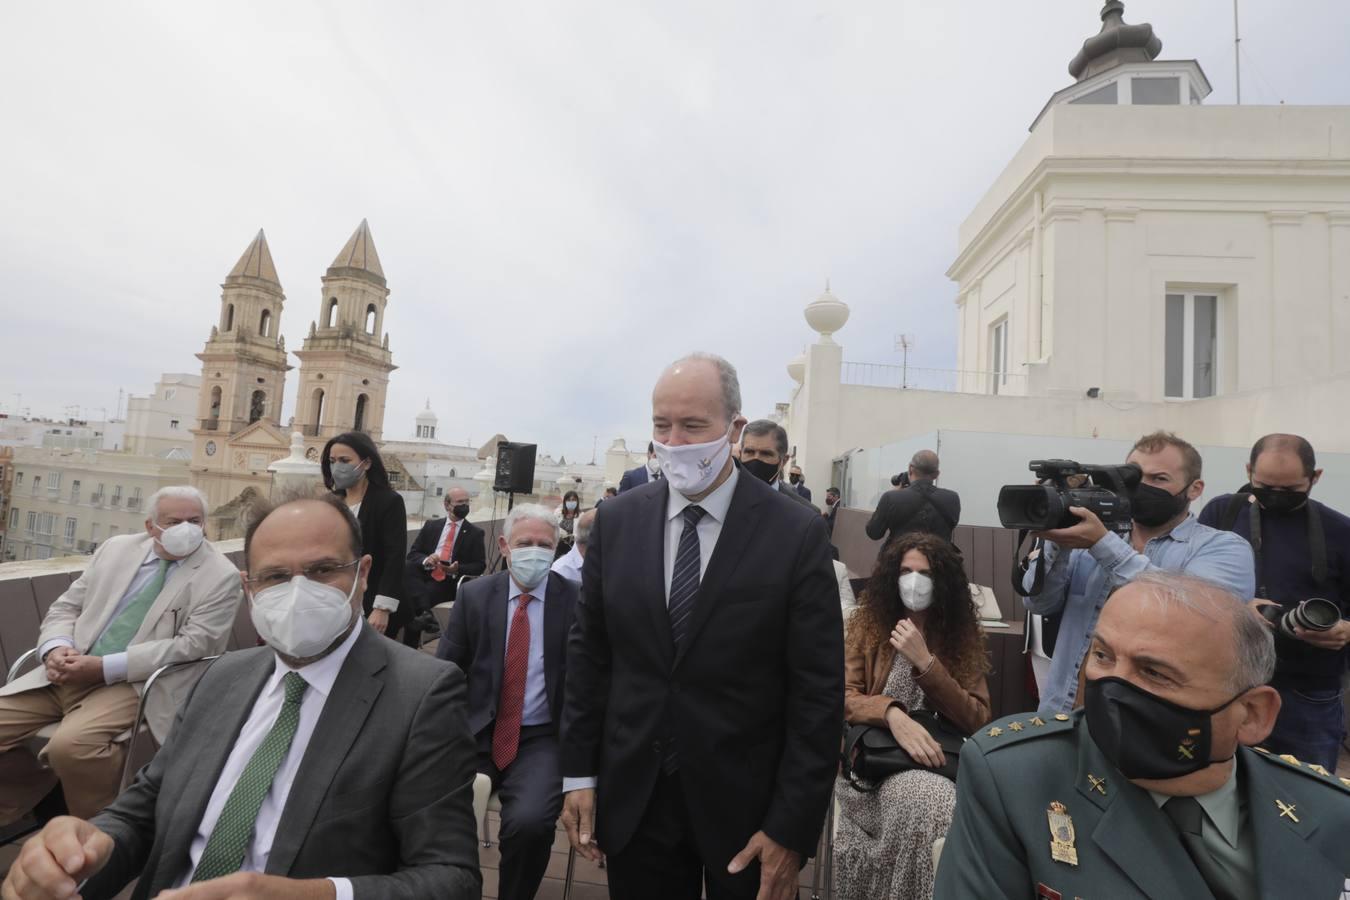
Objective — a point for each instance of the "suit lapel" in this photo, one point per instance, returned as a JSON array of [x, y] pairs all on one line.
[[1132, 831], [742, 518], [653, 566], [178, 580], [498, 600], [555, 640], [344, 714], [106, 601], [210, 750], [1279, 840]]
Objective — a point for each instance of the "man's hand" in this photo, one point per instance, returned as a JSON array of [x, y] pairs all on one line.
[[779, 867], [914, 739], [908, 642], [77, 670], [56, 859], [578, 815], [379, 619], [254, 886], [1334, 638], [1087, 532], [52, 662]]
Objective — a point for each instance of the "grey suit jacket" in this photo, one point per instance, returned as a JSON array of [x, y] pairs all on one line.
[[190, 619], [383, 795]]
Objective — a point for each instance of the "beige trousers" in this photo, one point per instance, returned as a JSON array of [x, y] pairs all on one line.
[[83, 754]]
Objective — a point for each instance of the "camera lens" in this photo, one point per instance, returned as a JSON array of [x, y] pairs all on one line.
[[1316, 614]]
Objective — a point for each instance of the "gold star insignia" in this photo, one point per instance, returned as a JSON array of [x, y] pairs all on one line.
[[1262, 750], [1286, 809], [1291, 759], [995, 731], [1061, 717], [1320, 770], [1346, 782], [1037, 721], [1098, 784], [1015, 726]]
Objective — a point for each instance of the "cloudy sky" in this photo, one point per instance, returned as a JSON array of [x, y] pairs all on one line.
[[565, 196]]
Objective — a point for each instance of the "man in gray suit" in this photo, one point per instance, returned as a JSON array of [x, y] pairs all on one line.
[[145, 600], [329, 764]]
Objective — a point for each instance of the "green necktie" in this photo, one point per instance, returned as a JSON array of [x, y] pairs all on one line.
[[122, 629], [229, 840], [1188, 815]]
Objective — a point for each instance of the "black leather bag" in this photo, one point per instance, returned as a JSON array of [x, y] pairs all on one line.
[[871, 754]]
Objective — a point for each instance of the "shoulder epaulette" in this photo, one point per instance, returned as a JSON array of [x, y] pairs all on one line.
[[1311, 770], [1015, 729]]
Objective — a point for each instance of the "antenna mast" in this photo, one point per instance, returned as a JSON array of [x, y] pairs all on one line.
[[1237, 58]]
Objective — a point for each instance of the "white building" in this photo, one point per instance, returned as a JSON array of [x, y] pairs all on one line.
[[1143, 261], [69, 434], [160, 423], [432, 467]]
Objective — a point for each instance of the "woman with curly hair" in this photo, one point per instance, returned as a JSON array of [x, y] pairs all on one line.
[[913, 644]]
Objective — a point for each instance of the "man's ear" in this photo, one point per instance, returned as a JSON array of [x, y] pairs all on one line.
[[738, 428], [1195, 490], [1249, 473], [502, 547], [1316, 476], [1260, 706]]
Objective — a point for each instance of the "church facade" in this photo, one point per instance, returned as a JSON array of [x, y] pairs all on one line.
[[344, 369]]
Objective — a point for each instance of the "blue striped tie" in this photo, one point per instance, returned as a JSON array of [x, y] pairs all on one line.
[[684, 582]]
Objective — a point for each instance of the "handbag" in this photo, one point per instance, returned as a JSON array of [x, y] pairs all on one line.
[[872, 754]]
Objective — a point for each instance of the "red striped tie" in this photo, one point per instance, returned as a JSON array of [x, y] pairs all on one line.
[[437, 573], [506, 733]]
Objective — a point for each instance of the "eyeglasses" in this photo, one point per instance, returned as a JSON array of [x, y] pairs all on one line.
[[324, 572]]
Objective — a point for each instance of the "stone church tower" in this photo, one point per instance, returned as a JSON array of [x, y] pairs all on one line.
[[345, 362], [243, 380]]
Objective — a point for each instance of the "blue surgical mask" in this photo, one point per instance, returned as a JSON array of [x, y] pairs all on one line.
[[530, 565]]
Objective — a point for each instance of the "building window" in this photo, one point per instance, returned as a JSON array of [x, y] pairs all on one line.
[[256, 406], [117, 495], [370, 319], [439, 491], [98, 494], [1191, 346], [170, 393], [46, 524], [70, 531], [1104, 95], [43, 553], [1156, 91], [14, 518], [93, 533], [18, 479], [318, 409], [332, 312], [265, 323], [32, 522], [75, 491], [214, 414], [37, 483], [998, 353], [359, 420], [134, 502], [229, 317], [54, 483], [173, 423]]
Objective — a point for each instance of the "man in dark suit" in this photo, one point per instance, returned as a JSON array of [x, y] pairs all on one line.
[[444, 551], [329, 764], [831, 511], [520, 616], [764, 452], [923, 506], [705, 669], [798, 482], [642, 474]]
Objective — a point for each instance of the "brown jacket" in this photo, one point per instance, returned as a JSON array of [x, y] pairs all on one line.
[[865, 675]]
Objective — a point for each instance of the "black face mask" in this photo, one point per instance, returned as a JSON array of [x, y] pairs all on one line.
[[461, 511], [795, 479], [1152, 506], [764, 471], [1146, 736], [1279, 502]]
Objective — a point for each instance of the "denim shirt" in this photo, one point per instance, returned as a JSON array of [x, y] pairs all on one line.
[[1078, 583]]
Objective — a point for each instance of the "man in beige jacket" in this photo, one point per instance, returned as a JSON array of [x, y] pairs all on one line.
[[144, 601]]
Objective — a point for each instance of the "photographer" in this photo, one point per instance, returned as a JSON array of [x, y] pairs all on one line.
[[1301, 551], [916, 504], [1163, 536]]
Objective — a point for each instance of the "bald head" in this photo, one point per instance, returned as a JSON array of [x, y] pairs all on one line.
[[696, 399], [924, 465], [582, 530]]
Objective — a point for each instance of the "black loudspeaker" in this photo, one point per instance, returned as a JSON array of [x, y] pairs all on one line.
[[515, 467]]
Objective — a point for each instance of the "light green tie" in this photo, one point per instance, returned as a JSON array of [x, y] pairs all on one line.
[[122, 629], [229, 840]]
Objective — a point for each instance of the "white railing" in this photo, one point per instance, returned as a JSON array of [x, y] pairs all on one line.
[[961, 381]]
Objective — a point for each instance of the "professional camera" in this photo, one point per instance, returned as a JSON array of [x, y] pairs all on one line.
[[1313, 614], [1105, 490]]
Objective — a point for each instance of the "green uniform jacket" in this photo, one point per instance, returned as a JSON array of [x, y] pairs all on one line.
[[1012, 771]]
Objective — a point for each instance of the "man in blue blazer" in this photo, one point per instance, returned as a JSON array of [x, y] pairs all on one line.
[[642, 474], [508, 632]]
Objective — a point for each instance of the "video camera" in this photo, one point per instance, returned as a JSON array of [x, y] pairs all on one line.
[[1105, 490]]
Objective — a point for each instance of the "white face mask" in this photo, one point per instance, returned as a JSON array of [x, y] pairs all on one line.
[[916, 591], [530, 565], [302, 618], [181, 539], [692, 468], [653, 465], [571, 505]]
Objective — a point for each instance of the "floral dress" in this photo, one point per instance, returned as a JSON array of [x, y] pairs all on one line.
[[884, 845]]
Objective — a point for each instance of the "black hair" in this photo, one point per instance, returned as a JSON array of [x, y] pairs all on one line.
[[1293, 442], [365, 448], [262, 508], [762, 427]]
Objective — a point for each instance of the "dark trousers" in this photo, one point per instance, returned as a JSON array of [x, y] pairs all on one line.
[[661, 861], [1310, 727], [531, 794]]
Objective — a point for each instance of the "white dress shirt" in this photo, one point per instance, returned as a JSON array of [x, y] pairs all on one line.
[[535, 709], [320, 677], [115, 664], [715, 507], [569, 565], [445, 532]]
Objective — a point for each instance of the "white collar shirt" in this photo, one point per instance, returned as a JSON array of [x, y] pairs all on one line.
[[445, 532], [320, 677], [569, 565], [715, 507]]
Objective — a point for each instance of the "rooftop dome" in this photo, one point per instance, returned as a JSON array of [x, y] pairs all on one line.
[[1116, 43]]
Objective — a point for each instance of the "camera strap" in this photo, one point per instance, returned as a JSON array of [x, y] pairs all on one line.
[[1019, 569], [1317, 538]]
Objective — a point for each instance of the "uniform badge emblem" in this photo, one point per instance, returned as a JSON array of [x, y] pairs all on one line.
[[1061, 834]]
